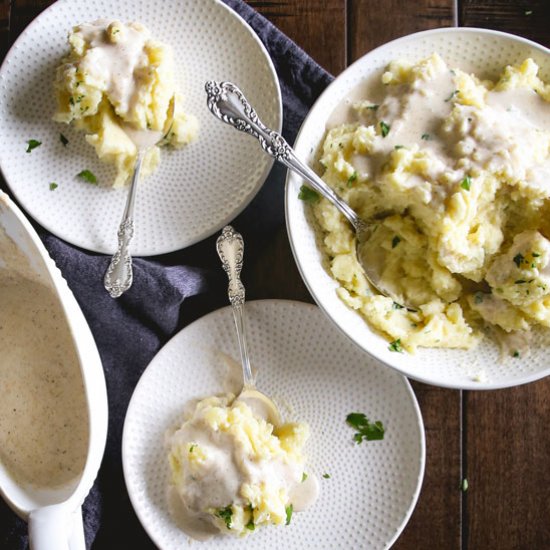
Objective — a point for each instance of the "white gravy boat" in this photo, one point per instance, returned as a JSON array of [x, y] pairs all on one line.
[[54, 515]]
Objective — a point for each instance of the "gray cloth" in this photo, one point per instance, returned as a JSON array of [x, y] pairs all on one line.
[[168, 293]]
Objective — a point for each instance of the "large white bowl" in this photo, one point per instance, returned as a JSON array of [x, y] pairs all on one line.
[[485, 53]]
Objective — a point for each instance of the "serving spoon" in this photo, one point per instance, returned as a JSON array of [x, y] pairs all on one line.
[[228, 104], [230, 248], [119, 276]]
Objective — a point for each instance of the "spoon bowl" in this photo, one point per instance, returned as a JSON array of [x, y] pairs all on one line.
[[230, 248], [228, 104]]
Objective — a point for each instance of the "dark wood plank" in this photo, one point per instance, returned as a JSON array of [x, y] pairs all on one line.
[[436, 520], [23, 12], [508, 498], [527, 18], [317, 26], [375, 22], [5, 9]]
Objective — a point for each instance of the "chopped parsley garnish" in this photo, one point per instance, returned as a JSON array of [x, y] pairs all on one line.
[[384, 128], [33, 144], [466, 183], [373, 107], [192, 447], [426, 137], [53, 186], [464, 485], [308, 195], [535, 254], [528, 12], [520, 282], [88, 176], [451, 96], [396, 346], [352, 178], [516, 353], [478, 297], [304, 477], [71, 100], [518, 258], [289, 509], [226, 514], [326, 476], [250, 525], [395, 241], [63, 140], [371, 431], [397, 147], [395, 305]]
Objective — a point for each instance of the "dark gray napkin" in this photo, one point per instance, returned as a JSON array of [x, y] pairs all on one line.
[[168, 293]]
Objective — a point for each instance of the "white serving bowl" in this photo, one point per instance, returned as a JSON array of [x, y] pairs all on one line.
[[484, 53]]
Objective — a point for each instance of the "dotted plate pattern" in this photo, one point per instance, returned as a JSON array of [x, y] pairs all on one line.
[[196, 190], [311, 369], [480, 51]]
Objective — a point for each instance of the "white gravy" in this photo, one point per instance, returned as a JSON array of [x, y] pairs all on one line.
[[43, 410]]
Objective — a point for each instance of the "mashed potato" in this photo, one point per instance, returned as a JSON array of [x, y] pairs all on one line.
[[115, 73], [234, 469], [459, 168]]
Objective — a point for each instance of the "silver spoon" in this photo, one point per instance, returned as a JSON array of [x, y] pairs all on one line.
[[229, 104], [119, 276], [230, 248]]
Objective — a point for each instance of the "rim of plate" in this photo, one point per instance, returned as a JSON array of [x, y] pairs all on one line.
[[143, 381], [292, 182], [33, 210]]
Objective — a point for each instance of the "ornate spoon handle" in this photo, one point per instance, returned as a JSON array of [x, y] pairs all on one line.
[[119, 276], [229, 104], [230, 248]]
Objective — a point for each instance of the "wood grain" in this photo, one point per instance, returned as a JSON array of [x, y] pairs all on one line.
[[375, 22], [5, 11], [527, 18]]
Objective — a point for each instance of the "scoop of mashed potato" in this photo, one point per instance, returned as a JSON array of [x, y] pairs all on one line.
[[233, 468], [458, 171], [116, 73]]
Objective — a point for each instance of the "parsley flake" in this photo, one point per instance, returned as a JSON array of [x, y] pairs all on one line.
[[395, 241], [326, 476], [396, 346], [478, 297], [352, 178], [373, 107], [518, 258], [426, 137], [33, 144], [53, 186], [304, 477], [192, 447], [88, 176], [528, 12], [464, 485], [289, 509], [520, 282], [384, 128], [397, 147], [466, 183], [63, 140], [307, 194], [535, 254], [516, 353], [451, 96], [371, 431], [395, 305], [226, 514]]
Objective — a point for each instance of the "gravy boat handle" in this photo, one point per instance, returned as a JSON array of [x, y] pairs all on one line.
[[49, 528]]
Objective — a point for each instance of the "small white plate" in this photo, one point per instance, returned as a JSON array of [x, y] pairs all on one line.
[[196, 190], [485, 53], [306, 364]]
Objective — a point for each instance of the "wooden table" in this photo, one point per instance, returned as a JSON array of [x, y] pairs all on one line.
[[496, 440]]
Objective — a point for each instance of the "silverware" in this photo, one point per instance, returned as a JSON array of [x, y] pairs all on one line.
[[228, 103], [119, 276], [230, 248]]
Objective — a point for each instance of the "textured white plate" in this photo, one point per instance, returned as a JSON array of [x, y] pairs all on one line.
[[480, 51], [311, 367], [196, 190]]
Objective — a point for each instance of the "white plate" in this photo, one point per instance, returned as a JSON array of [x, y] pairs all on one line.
[[373, 486], [196, 190], [480, 51]]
